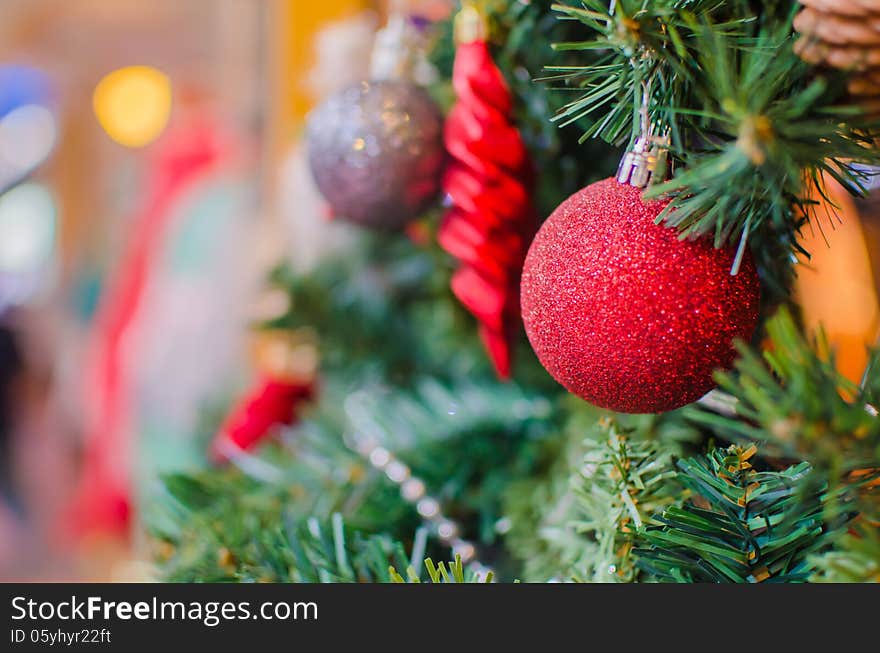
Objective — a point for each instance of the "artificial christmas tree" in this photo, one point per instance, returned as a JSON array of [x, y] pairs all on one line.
[[413, 450]]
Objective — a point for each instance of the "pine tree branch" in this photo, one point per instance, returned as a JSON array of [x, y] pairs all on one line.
[[743, 525], [795, 402], [754, 130], [442, 573], [585, 529]]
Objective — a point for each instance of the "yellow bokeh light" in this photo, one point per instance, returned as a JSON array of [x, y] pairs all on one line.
[[133, 104]]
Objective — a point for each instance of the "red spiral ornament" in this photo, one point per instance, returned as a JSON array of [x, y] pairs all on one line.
[[270, 403], [488, 184], [286, 363]]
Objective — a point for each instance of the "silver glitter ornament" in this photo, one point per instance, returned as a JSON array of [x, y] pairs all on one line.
[[376, 152]]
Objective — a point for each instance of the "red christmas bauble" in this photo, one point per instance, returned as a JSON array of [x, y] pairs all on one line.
[[623, 313]]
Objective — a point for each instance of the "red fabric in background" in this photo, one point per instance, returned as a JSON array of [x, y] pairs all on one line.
[[103, 500]]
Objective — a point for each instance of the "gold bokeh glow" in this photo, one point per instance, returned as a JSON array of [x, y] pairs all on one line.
[[133, 104]]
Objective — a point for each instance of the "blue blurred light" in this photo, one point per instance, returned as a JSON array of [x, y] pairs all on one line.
[[28, 128], [21, 85]]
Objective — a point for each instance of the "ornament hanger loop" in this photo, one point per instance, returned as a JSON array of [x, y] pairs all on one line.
[[644, 117], [645, 162], [394, 50], [470, 24]]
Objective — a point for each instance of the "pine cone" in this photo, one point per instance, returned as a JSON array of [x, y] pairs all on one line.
[[844, 34]]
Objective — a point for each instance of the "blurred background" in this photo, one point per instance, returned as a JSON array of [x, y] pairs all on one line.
[[150, 176]]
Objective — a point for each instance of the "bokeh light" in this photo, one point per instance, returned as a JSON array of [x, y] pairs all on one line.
[[133, 104], [28, 127], [27, 228], [21, 85]]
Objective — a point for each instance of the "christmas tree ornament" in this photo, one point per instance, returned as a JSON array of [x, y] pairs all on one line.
[[375, 148], [488, 183], [843, 34], [287, 363], [621, 311]]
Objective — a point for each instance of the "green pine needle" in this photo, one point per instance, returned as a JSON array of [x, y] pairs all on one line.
[[743, 526]]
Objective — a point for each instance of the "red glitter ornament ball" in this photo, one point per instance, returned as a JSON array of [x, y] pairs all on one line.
[[623, 313]]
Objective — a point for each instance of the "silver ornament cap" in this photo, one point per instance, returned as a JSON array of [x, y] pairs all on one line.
[[645, 162]]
